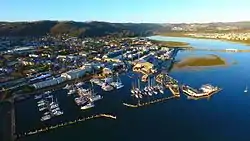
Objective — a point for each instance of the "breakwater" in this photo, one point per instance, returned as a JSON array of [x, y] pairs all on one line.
[[45, 129]]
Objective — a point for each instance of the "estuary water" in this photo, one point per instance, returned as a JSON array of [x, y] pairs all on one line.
[[224, 117]]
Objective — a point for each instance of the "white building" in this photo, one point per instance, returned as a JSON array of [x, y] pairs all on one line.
[[77, 73], [50, 82]]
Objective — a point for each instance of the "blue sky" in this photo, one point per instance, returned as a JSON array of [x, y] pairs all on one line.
[[154, 11]]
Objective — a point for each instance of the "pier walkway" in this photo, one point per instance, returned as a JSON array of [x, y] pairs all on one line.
[[148, 103], [36, 131]]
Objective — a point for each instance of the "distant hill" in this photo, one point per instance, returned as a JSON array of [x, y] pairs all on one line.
[[80, 29], [94, 28], [207, 27]]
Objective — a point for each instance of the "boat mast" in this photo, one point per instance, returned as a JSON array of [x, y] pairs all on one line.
[[138, 83]]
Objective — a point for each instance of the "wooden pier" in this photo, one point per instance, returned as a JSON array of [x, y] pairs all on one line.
[[172, 85], [204, 96], [36, 131], [148, 103]]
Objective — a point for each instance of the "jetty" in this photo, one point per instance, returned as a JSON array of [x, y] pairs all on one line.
[[52, 127], [171, 84], [149, 103]]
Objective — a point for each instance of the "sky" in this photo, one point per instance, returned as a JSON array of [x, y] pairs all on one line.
[[138, 11]]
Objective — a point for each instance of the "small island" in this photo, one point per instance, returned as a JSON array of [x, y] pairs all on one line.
[[171, 43], [210, 60]]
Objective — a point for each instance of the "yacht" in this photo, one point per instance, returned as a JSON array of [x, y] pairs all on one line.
[[42, 108], [150, 93], [46, 117], [89, 105], [140, 95], [67, 86], [41, 104], [54, 106], [50, 96], [47, 92], [40, 101], [118, 84], [95, 98], [161, 90], [136, 95], [246, 90], [72, 91], [56, 109], [79, 84], [38, 96], [57, 113], [80, 101], [107, 87], [46, 113]]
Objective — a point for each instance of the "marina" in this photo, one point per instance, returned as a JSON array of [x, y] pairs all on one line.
[[48, 106], [152, 89]]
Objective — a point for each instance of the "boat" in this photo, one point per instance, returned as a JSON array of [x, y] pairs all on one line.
[[54, 106], [46, 113], [42, 108], [79, 84], [50, 96], [72, 91], [41, 104], [67, 86], [97, 81], [149, 93], [246, 90], [57, 113], [47, 92], [89, 105], [132, 90], [118, 84], [136, 95], [161, 90], [107, 87], [46, 117], [80, 101], [41, 101], [140, 95], [56, 109], [38, 96], [95, 98]]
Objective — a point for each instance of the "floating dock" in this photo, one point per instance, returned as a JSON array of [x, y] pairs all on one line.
[[195, 95], [148, 103], [29, 133]]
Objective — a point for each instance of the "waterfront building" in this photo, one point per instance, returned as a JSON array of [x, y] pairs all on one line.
[[50, 82], [77, 73]]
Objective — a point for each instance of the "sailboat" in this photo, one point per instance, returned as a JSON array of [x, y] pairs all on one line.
[[133, 89], [153, 86], [246, 90], [118, 84]]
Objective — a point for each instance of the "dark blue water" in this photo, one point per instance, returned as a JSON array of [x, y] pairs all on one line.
[[224, 117]]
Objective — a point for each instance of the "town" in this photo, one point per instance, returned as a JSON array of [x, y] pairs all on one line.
[[36, 68]]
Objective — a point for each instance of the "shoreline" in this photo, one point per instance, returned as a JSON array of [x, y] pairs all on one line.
[[187, 36]]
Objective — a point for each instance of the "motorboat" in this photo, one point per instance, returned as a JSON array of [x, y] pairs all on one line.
[[46, 117], [89, 105]]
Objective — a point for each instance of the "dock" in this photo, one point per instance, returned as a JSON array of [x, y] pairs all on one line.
[[172, 85], [204, 96], [149, 103], [45, 129]]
